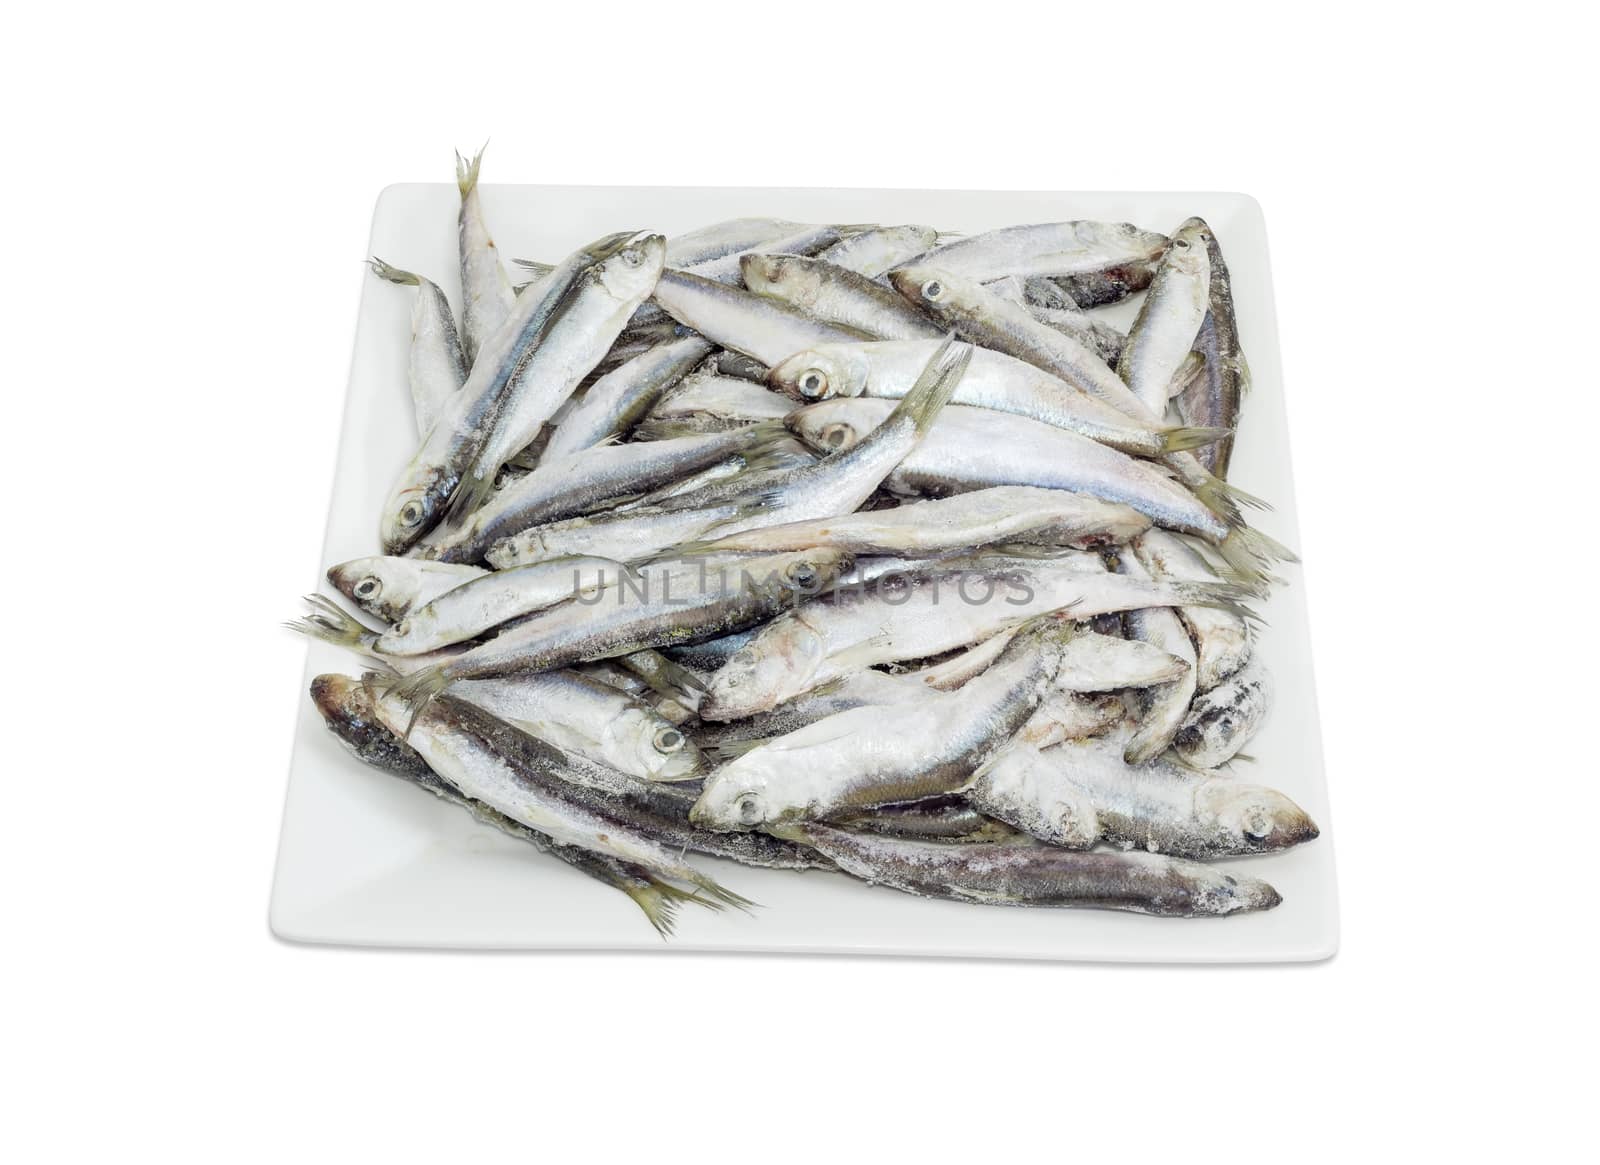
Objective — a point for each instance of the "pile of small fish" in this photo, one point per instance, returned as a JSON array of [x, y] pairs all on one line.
[[857, 548]]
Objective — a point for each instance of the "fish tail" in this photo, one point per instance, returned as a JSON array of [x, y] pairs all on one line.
[[393, 274], [1214, 594], [718, 893], [330, 623], [939, 380], [662, 674], [467, 170], [1223, 498], [700, 547], [418, 690], [660, 901], [1215, 495], [1250, 553], [1268, 546], [726, 750], [1180, 439]]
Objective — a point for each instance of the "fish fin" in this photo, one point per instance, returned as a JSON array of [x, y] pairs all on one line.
[[467, 171], [418, 690], [1212, 493], [719, 893], [534, 267], [685, 679], [1229, 595], [1241, 366], [761, 502], [393, 274], [665, 678], [1223, 498], [1270, 546], [471, 493], [659, 908], [664, 429], [1180, 439], [1186, 371], [331, 623], [697, 548], [1249, 553], [860, 654], [727, 750], [660, 901], [940, 378]]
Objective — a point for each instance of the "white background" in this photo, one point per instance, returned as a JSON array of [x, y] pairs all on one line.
[[189, 199]]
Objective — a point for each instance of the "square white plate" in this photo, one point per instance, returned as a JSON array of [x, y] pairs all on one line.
[[367, 859]]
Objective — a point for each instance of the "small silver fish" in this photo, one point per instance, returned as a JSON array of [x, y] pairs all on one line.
[[861, 758], [437, 367], [486, 294], [1222, 721], [1009, 875]]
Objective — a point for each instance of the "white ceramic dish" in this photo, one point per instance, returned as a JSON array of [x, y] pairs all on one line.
[[366, 859]]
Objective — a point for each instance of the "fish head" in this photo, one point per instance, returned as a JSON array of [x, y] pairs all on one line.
[[1221, 720], [338, 699], [1134, 243], [662, 750], [1217, 892], [777, 664], [821, 373], [415, 507], [381, 585], [349, 708], [1186, 251], [1255, 819], [785, 276], [738, 796], [937, 292], [412, 633], [631, 273], [792, 576], [833, 426]]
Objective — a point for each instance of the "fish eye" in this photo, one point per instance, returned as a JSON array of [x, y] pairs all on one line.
[[932, 289], [369, 587], [814, 382], [749, 809], [410, 514], [834, 436], [802, 575], [403, 628], [1182, 244], [632, 257], [668, 740]]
